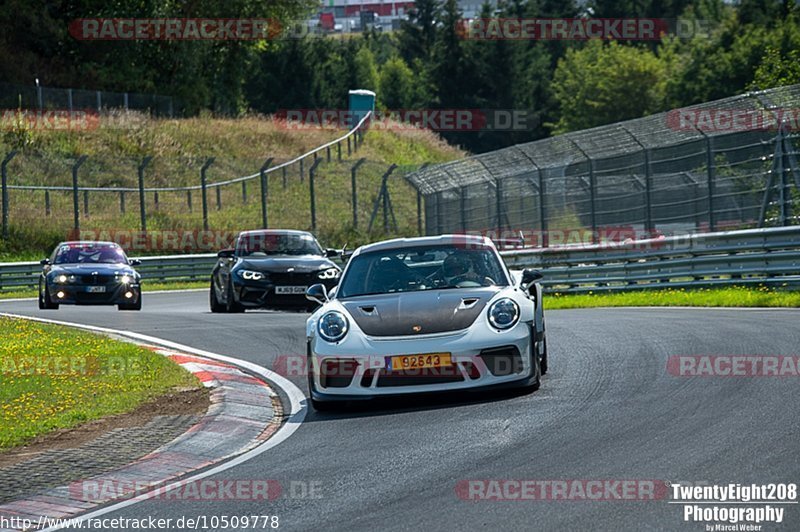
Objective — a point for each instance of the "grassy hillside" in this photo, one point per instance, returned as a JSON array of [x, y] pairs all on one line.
[[179, 148]]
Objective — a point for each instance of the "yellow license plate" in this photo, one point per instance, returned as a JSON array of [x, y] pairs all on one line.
[[430, 360]]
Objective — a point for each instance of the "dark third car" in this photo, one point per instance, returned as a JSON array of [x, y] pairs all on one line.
[[89, 273]]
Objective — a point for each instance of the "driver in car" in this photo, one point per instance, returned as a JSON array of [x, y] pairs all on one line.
[[459, 269]]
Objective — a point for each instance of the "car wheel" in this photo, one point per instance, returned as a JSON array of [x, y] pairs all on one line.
[[543, 363], [47, 304], [134, 306], [537, 367], [230, 304], [213, 302]]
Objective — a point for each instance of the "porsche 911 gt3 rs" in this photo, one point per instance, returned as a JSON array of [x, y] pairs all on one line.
[[425, 315]]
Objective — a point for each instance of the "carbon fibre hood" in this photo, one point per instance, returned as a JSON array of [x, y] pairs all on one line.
[[423, 312]]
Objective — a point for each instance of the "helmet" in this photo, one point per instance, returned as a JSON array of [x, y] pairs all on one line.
[[456, 265]]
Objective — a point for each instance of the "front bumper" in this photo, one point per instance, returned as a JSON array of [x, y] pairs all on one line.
[[261, 294], [78, 294], [358, 367]]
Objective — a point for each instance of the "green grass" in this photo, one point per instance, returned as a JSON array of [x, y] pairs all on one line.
[[179, 148], [54, 377], [712, 297]]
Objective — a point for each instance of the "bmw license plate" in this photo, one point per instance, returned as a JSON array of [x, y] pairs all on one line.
[[430, 360], [290, 289], [95, 289]]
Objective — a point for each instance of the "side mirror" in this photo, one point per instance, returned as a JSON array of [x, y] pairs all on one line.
[[134, 262], [226, 253], [317, 293], [330, 253], [44, 262], [530, 276]]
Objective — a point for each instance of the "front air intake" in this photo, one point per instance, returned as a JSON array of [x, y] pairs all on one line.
[[502, 361]]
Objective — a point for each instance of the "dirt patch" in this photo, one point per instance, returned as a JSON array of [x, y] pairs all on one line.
[[180, 402]]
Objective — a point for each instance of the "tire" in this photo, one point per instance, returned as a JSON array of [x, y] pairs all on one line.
[[213, 303], [543, 363], [134, 306], [537, 367], [47, 304], [231, 306]]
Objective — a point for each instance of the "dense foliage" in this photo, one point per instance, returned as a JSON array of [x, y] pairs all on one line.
[[565, 85]]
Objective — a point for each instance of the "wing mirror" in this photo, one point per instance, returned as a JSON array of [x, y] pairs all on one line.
[[331, 253], [134, 262], [44, 262], [317, 293], [530, 276], [226, 253]]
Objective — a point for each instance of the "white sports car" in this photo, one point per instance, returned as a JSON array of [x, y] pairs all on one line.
[[424, 315]]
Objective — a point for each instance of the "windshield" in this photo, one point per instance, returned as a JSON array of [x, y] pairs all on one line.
[[421, 268], [264, 244], [90, 254]]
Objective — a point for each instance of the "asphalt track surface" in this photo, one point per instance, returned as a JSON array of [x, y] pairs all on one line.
[[608, 409]]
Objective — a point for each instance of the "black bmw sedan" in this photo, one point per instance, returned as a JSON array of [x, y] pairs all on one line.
[[89, 273], [270, 269]]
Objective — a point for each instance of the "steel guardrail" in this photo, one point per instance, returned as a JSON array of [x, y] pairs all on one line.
[[769, 257]]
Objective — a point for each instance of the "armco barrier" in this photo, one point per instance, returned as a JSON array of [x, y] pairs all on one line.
[[769, 257]]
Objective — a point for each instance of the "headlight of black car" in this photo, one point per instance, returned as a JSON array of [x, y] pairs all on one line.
[[503, 314], [330, 273], [250, 275], [333, 326], [64, 278]]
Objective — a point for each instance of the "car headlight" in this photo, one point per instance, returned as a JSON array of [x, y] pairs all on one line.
[[332, 326], [504, 313], [330, 273], [250, 275], [63, 279], [125, 279]]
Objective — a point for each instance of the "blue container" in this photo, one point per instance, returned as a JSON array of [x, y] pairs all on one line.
[[361, 102]]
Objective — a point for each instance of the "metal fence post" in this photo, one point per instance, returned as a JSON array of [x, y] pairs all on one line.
[[419, 203], [219, 197], [244, 192], [349, 149], [311, 175], [189, 199], [283, 170], [302, 172], [99, 102], [328, 153], [354, 190], [710, 170], [498, 200], [4, 172], [69, 99], [339, 150], [265, 191], [593, 200], [142, 199], [47, 203], [75, 202], [204, 191], [462, 198], [155, 200], [122, 202]]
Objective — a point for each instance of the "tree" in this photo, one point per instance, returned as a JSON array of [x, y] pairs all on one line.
[[366, 72], [605, 83], [418, 33], [396, 84]]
